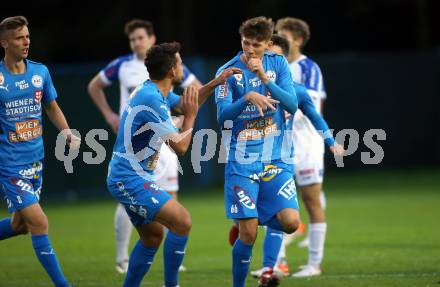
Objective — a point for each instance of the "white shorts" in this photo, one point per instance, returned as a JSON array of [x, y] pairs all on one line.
[[166, 173], [309, 168]]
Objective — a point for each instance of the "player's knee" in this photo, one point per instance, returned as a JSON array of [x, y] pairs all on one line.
[[20, 228], [39, 224], [184, 224], [248, 234], [290, 225]]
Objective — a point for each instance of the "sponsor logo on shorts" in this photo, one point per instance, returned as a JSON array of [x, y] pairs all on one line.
[[288, 190], [32, 173], [244, 198], [270, 171], [304, 172]]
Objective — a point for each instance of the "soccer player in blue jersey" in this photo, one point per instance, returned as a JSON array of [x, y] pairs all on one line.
[[259, 185], [25, 88], [130, 71], [145, 124], [274, 238]]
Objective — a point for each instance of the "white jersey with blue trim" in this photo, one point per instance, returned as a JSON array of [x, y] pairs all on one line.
[[130, 72], [305, 137]]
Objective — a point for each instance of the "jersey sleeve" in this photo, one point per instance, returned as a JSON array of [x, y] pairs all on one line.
[[49, 91], [313, 80], [188, 77], [173, 99], [282, 89], [110, 73], [226, 108]]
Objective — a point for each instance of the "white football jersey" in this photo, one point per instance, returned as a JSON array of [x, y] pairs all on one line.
[[305, 137]]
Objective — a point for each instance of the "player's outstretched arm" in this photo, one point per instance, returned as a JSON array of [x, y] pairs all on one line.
[[96, 92], [56, 116], [308, 108], [189, 103], [206, 90]]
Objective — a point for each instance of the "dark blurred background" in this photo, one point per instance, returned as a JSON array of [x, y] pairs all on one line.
[[380, 61]]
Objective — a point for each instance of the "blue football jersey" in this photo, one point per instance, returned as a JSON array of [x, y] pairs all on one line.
[[21, 99], [250, 131], [145, 120]]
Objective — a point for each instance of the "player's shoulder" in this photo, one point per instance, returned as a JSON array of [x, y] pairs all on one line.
[[308, 63], [36, 65]]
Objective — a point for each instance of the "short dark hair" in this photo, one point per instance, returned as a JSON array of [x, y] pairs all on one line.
[[134, 24], [160, 59], [259, 28], [12, 23], [282, 43], [298, 28]]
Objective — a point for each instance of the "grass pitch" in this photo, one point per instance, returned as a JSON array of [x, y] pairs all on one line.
[[383, 230]]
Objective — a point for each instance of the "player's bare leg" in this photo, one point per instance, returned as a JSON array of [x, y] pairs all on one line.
[[311, 196], [123, 230]]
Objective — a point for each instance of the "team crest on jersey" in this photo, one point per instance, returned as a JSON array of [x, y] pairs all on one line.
[[271, 75], [238, 77], [38, 96], [37, 81]]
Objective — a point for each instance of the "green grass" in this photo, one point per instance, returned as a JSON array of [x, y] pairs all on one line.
[[383, 230]]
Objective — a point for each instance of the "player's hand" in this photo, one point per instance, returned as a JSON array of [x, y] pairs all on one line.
[[261, 102], [72, 141], [190, 102], [256, 66], [113, 121], [337, 149], [226, 73]]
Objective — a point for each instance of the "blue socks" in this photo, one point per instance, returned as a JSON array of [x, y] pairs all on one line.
[[173, 253], [241, 260], [271, 247], [6, 229], [139, 263], [48, 259]]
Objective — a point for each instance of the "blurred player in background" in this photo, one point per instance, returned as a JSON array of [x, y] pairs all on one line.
[[309, 146], [26, 87], [130, 71], [274, 239], [261, 191]]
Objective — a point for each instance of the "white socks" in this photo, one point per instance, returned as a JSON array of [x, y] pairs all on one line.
[[317, 233], [123, 229]]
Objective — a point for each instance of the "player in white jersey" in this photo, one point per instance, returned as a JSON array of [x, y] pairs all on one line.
[[309, 146], [130, 71]]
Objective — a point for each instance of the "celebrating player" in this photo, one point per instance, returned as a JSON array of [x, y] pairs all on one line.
[[259, 185], [26, 87], [274, 239], [130, 71], [145, 123]]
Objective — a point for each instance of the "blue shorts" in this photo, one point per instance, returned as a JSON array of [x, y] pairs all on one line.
[[259, 190], [141, 198], [21, 185]]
